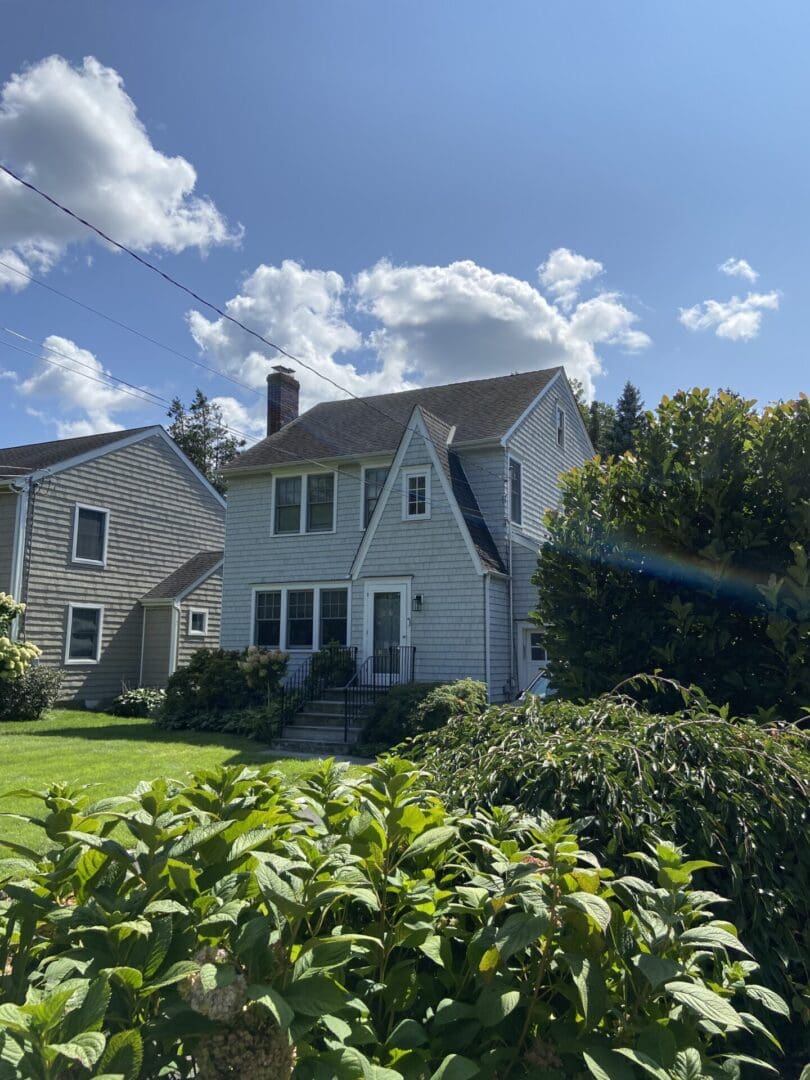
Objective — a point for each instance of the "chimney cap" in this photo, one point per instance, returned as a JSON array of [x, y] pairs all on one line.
[[283, 370]]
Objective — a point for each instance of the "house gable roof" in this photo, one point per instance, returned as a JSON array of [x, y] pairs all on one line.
[[187, 577], [479, 410]]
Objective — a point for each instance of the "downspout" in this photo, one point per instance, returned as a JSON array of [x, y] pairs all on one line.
[[508, 522], [20, 554], [175, 624], [487, 672]]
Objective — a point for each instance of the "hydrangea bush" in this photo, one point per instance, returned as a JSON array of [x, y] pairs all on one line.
[[15, 656]]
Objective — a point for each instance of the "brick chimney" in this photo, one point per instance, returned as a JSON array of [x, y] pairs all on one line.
[[282, 398]]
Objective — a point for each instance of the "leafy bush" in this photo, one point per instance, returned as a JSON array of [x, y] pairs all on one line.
[[411, 708], [726, 789], [355, 928], [688, 556], [333, 665], [142, 701], [29, 695], [220, 689]]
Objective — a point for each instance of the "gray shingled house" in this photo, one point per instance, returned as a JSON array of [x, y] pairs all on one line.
[[114, 543], [405, 525]]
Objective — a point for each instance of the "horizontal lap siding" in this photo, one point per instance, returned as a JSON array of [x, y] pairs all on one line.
[[253, 556], [449, 632], [499, 639], [157, 638], [209, 596], [8, 513], [160, 515]]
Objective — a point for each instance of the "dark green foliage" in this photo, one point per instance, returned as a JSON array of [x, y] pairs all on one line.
[[28, 696], [333, 665], [628, 422], [689, 557], [201, 434], [224, 690], [726, 789], [412, 708], [142, 701], [600, 420], [353, 929]]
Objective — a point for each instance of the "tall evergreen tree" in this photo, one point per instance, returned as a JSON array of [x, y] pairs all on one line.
[[629, 420], [201, 434]]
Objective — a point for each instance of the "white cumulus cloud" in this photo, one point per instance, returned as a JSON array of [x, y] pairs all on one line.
[[75, 132], [395, 327], [735, 319], [564, 272], [738, 268], [75, 395]]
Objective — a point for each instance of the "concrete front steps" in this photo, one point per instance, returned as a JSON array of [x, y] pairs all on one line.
[[319, 729]]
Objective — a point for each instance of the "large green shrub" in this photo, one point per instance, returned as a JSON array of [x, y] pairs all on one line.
[[727, 789], [688, 556], [224, 690], [409, 709], [355, 929], [29, 695]]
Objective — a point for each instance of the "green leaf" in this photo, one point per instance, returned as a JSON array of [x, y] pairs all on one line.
[[590, 984], [643, 1062], [432, 948], [315, 996], [407, 1035], [768, 998], [176, 973], [127, 976], [593, 906], [123, 1055], [270, 999], [159, 942], [706, 1004], [712, 937], [657, 969], [165, 907], [519, 931], [456, 1067], [489, 961], [495, 1005], [91, 1012], [431, 840], [658, 1042], [604, 1064], [86, 1048], [688, 1065], [745, 1059]]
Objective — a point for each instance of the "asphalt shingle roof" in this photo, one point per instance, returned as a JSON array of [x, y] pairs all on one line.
[[184, 576], [21, 460], [481, 409]]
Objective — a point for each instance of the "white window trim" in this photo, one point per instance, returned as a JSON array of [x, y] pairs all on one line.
[[302, 586], [559, 411], [363, 470], [72, 606], [517, 461], [302, 518], [192, 611], [421, 470], [96, 510]]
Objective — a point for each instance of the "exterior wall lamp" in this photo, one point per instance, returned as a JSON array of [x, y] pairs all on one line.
[[418, 602]]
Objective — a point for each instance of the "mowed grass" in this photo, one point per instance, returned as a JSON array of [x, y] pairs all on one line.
[[111, 754]]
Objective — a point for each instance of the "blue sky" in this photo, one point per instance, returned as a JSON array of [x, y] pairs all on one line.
[[381, 184]]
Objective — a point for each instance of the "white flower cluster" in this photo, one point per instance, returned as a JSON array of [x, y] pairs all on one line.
[[252, 1048], [221, 1002]]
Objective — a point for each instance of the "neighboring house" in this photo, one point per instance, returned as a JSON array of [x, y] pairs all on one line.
[[114, 543], [409, 519]]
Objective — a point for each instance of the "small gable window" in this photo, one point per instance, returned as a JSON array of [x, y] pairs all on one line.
[[515, 492], [416, 494], [560, 427], [373, 484], [198, 622], [288, 504], [90, 535], [320, 502]]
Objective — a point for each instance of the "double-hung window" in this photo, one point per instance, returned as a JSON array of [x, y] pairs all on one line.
[[416, 494], [84, 626], [515, 492], [300, 610], [268, 620], [334, 615], [320, 502], [561, 427], [373, 484], [288, 504], [90, 535]]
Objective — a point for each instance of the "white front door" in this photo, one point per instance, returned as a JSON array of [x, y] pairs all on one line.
[[532, 657], [387, 624]]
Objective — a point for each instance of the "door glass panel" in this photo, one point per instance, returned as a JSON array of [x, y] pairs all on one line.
[[386, 632]]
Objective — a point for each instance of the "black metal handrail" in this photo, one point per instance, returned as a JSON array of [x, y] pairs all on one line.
[[333, 666], [376, 675]]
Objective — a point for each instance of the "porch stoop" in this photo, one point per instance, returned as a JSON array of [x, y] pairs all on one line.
[[319, 728]]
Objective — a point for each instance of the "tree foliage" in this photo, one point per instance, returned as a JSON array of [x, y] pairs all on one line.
[[612, 428], [202, 435], [689, 556], [356, 929]]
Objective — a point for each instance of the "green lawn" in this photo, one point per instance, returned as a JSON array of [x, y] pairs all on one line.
[[113, 755]]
